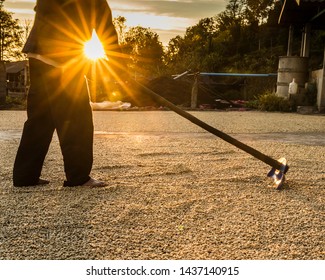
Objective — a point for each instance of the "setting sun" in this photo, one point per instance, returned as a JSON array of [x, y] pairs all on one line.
[[93, 48]]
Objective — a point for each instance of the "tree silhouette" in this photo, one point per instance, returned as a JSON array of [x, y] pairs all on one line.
[[11, 36]]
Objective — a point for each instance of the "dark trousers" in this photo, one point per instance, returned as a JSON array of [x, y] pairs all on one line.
[[57, 100]]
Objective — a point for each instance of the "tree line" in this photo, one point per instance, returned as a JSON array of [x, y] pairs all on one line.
[[245, 37]]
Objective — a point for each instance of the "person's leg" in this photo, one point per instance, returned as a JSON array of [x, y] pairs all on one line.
[[38, 129], [74, 124]]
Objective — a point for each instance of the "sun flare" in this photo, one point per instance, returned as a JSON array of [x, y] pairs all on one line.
[[93, 48]]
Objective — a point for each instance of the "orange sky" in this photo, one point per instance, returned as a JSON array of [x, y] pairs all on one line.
[[167, 18]]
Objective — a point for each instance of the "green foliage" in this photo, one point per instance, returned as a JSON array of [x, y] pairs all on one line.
[[11, 36], [145, 50], [15, 103], [252, 104], [244, 38], [271, 102]]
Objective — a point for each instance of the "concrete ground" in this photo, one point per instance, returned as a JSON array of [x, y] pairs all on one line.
[[175, 191]]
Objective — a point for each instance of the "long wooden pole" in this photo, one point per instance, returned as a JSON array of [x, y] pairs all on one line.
[[255, 153]]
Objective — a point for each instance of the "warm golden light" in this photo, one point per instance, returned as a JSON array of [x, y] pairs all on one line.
[[93, 48]]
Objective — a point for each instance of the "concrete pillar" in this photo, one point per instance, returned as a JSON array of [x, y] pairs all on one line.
[[290, 40], [305, 44], [321, 89], [195, 89], [26, 77], [93, 83]]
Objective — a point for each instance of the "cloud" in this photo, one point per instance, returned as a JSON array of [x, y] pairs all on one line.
[[187, 9], [167, 17], [19, 5], [22, 9]]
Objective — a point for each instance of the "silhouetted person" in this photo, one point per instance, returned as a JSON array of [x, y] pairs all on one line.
[[58, 98]]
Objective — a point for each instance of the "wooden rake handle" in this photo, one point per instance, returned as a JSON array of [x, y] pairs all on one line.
[[255, 153]]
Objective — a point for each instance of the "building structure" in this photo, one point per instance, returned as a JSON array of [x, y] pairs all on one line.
[[305, 15], [17, 78]]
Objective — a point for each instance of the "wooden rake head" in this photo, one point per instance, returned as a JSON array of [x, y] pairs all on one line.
[[279, 174]]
